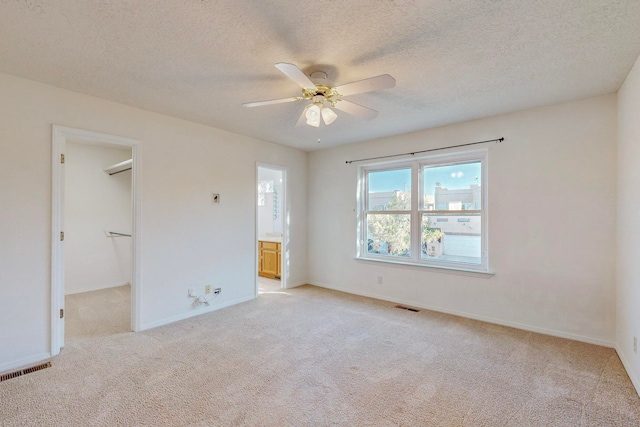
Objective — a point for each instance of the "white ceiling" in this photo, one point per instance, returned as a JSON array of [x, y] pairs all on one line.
[[454, 60]]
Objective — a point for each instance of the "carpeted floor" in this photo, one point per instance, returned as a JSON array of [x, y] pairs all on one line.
[[268, 285], [98, 313], [314, 357]]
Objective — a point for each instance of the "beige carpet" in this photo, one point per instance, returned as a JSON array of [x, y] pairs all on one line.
[[268, 285], [314, 357], [98, 313]]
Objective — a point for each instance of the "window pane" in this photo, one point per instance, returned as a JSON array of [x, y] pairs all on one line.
[[390, 190], [389, 234], [452, 187], [452, 238]]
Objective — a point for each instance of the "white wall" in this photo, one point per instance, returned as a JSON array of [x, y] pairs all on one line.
[[628, 268], [94, 202], [186, 241], [552, 213]]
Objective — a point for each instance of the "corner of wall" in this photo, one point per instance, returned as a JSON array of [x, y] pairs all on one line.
[[627, 366], [627, 234]]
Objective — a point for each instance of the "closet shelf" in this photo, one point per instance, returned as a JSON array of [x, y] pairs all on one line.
[[119, 167]]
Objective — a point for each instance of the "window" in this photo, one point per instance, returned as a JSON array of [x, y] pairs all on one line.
[[428, 211], [264, 187]]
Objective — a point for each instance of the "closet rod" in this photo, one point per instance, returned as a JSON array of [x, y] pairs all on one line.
[[123, 170], [114, 234], [425, 151]]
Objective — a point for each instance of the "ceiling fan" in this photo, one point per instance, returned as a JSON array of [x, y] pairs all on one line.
[[320, 93]]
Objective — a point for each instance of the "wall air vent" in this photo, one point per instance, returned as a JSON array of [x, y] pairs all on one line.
[[24, 371]]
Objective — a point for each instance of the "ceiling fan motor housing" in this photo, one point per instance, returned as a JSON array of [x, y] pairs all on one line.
[[329, 93], [318, 77]]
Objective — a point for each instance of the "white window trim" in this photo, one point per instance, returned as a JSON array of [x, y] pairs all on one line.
[[416, 166]]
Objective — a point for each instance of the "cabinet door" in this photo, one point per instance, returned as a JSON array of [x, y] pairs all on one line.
[[270, 262], [269, 259], [260, 260]]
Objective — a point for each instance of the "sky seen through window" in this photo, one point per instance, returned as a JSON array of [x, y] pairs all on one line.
[[451, 176]]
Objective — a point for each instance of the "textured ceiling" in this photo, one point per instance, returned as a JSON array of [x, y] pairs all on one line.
[[454, 60]]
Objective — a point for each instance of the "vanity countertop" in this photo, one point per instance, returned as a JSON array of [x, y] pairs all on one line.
[[270, 239]]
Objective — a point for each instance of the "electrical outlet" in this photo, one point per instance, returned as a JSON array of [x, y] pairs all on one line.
[[207, 289], [379, 280], [217, 291], [635, 345], [191, 293]]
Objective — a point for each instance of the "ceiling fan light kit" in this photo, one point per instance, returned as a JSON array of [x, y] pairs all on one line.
[[313, 115], [317, 109], [319, 93], [328, 115]]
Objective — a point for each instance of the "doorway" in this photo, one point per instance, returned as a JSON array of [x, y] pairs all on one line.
[[271, 228], [95, 234], [97, 199]]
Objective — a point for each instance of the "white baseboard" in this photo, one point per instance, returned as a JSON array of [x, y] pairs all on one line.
[[627, 367], [22, 363], [193, 313], [501, 322], [296, 284]]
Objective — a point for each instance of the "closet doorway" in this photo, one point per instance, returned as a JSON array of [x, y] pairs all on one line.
[[271, 228], [94, 228]]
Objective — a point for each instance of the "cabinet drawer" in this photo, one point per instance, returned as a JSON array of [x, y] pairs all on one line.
[[270, 245]]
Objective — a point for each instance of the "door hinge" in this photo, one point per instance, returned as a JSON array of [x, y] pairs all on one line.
[[61, 158], [62, 236], [62, 313]]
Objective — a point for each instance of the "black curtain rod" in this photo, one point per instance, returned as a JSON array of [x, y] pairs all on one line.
[[425, 151]]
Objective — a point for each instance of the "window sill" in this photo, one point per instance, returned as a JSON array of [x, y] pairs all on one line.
[[435, 268]]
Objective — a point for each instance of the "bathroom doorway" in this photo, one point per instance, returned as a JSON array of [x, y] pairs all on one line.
[[271, 229]]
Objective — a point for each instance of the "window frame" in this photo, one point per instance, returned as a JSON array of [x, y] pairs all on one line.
[[417, 211]]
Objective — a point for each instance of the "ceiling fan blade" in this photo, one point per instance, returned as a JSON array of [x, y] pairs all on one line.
[[295, 74], [384, 81], [275, 101], [356, 109]]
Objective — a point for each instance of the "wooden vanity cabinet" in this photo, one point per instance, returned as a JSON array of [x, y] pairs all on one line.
[[269, 265]]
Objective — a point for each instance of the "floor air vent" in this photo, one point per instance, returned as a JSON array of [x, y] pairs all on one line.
[[404, 307], [25, 371]]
